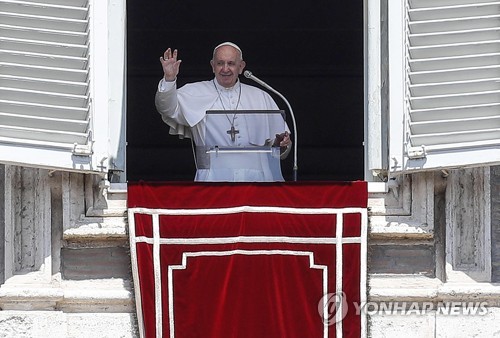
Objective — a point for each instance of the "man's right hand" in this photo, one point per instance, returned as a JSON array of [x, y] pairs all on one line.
[[170, 64]]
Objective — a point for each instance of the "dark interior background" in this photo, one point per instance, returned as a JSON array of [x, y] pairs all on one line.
[[311, 52]]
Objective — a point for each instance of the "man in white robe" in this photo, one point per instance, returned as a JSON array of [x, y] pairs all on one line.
[[184, 110]]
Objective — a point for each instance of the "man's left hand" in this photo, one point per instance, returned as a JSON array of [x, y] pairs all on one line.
[[282, 140]]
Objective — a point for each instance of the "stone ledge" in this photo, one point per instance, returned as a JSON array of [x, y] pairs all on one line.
[[420, 288], [51, 324], [408, 288], [435, 324], [383, 227], [97, 228], [106, 295], [119, 211]]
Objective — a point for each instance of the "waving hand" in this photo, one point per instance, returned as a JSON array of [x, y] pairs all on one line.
[[170, 64]]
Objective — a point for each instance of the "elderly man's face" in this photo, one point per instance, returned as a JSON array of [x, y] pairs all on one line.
[[227, 65]]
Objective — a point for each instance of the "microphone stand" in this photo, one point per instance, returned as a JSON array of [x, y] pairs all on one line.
[[248, 74]]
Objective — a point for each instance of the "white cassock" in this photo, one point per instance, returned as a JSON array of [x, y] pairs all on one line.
[[184, 110]]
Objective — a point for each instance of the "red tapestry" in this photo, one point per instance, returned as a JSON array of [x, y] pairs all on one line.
[[249, 260]]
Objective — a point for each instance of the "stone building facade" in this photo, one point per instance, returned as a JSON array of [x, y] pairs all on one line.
[[66, 264], [434, 230]]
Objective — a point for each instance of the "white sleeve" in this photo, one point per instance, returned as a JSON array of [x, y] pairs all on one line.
[[165, 86], [167, 104]]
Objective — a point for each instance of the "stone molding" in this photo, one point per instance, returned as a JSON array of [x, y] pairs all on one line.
[[405, 209]]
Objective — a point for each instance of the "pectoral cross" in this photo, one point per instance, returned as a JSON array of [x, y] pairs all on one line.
[[233, 131]]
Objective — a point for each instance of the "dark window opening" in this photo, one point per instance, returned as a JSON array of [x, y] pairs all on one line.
[[311, 52]]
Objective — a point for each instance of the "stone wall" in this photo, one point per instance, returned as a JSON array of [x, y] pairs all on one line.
[[65, 268], [431, 265], [495, 224], [65, 272]]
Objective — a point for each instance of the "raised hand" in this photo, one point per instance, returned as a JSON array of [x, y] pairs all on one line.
[[170, 64]]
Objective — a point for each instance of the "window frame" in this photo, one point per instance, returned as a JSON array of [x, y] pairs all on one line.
[[401, 157], [105, 150]]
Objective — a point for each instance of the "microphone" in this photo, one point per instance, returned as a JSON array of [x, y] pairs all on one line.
[[248, 74]]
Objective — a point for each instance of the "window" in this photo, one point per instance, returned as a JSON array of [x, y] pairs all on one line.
[[444, 83], [55, 105]]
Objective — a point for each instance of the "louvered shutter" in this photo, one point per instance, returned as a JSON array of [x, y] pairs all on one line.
[[45, 111], [446, 99]]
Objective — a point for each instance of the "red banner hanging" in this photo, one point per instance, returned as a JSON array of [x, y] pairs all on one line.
[[249, 260]]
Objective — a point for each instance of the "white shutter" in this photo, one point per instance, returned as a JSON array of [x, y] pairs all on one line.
[[45, 113], [448, 88]]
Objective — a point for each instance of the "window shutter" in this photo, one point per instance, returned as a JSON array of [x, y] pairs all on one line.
[[45, 111], [450, 96]]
